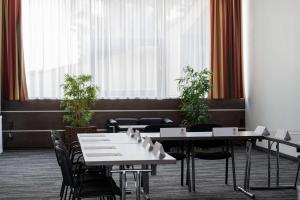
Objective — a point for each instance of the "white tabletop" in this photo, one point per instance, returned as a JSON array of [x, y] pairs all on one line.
[[117, 149], [204, 136], [121, 149], [122, 138], [295, 139]]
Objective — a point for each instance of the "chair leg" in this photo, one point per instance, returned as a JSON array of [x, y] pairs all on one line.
[[187, 171], [226, 172], [71, 193], [233, 167], [75, 194], [62, 190], [182, 171], [66, 193]]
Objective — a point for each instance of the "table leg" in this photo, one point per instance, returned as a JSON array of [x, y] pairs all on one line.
[[246, 188], [153, 170], [193, 167], [233, 165], [249, 166], [145, 180], [269, 163], [188, 175], [278, 186], [277, 164], [246, 167], [297, 174], [120, 175], [138, 185], [123, 185]]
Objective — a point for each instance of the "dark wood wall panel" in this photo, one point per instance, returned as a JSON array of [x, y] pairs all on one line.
[[228, 118], [32, 119], [20, 140], [120, 104]]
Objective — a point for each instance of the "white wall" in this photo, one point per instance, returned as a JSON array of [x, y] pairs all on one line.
[[272, 64]]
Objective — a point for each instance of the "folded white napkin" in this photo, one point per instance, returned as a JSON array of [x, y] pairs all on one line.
[[283, 134], [148, 144], [261, 130], [158, 150]]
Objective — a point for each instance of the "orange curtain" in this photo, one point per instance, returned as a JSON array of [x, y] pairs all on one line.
[[226, 49], [12, 63]]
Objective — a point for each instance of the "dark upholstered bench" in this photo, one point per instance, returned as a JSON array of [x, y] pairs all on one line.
[[113, 125]]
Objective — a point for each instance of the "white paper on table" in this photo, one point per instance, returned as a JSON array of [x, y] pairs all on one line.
[[91, 135], [94, 140], [102, 154], [99, 147]]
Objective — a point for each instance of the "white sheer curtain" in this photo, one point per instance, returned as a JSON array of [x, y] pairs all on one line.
[[133, 48]]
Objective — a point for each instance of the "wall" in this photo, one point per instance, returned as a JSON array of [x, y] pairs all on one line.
[[35, 118], [272, 65]]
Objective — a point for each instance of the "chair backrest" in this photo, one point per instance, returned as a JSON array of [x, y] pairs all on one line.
[[156, 128], [150, 121], [203, 127], [56, 139], [55, 136], [58, 142], [65, 165], [206, 128]]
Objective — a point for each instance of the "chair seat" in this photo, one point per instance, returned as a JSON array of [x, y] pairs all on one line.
[[98, 186], [91, 177], [213, 155]]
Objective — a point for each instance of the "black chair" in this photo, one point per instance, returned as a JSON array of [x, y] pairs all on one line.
[[76, 157], [58, 140], [174, 148], [220, 149], [81, 186], [74, 148]]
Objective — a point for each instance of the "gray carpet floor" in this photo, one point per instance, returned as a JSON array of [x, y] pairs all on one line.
[[34, 174]]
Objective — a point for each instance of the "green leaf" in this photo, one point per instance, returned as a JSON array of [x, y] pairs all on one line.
[[80, 95], [194, 87]]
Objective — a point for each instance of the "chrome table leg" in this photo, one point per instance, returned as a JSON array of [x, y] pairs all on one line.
[[123, 185], [277, 164], [278, 186], [246, 188], [269, 163], [138, 185], [193, 167]]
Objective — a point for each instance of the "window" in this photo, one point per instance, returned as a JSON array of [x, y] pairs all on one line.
[[133, 48]]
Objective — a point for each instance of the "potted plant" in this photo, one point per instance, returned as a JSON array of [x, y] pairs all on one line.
[[79, 96], [194, 87]]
